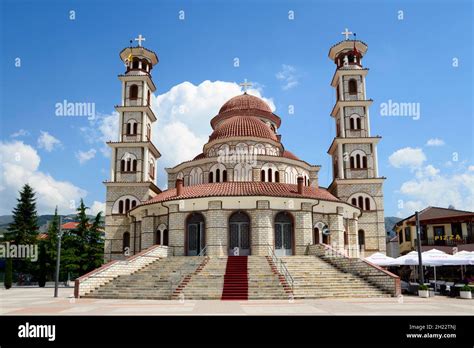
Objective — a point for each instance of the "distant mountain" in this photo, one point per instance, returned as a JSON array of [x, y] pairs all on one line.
[[43, 220], [390, 221]]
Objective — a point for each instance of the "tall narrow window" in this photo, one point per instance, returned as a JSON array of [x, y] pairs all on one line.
[[361, 202], [352, 86], [218, 175], [364, 161], [224, 176], [269, 175], [352, 123], [135, 128], [126, 241], [127, 205], [122, 165], [277, 176], [352, 162], [367, 203], [133, 92], [129, 129], [262, 176], [134, 203], [358, 161], [211, 177], [354, 201], [120, 207], [134, 165], [358, 123]]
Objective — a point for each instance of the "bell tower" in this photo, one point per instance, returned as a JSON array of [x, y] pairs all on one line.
[[356, 178], [134, 156]]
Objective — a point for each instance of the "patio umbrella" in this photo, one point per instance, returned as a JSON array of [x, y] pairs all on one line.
[[380, 259], [435, 257]]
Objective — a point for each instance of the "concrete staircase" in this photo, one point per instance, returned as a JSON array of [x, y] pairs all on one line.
[[156, 281], [206, 284], [264, 281], [315, 278]]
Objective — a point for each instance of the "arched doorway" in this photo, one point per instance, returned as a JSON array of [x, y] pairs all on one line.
[[361, 239], [195, 234], [284, 238], [162, 235], [239, 234], [126, 242], [316, 235]]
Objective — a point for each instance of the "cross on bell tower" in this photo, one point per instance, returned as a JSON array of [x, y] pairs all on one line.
[[140, 38]]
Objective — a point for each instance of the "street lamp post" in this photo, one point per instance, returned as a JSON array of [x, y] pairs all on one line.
[[58, 256], [421, 276]]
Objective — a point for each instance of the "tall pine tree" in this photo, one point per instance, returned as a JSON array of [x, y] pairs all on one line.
[[24, 228]]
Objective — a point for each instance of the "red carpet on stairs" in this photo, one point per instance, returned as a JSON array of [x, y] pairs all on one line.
[[236, 285]]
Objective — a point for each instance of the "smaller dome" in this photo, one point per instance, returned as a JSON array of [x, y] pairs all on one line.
[[243, 126], [244, 102], [290, 155]]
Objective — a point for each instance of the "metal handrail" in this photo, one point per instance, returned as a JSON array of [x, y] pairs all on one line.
[[281, 267]]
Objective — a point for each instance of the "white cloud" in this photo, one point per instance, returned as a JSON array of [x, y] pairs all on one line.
[[435, 142], [97, 207], [19, 164], [20, 133], [407, 157], [47, 141], [430, 187], [288, 76], [84, 156], [183, 121]]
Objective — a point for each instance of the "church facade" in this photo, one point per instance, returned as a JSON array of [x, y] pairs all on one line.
[[245, 194]]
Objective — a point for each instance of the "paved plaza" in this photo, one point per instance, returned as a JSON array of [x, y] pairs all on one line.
[[40, 301]]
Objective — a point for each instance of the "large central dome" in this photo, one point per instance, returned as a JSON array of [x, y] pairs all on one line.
[[243, 126], [245, 102]]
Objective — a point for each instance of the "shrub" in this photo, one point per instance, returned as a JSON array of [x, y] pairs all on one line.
[[423, 287], [466, 288]]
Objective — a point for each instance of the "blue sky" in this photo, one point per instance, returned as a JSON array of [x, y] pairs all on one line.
[[410, 60]]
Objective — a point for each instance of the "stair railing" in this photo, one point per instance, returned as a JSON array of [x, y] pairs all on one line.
[[280, 265]]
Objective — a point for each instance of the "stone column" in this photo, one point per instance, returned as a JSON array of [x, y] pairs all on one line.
[[261, 229], [176, 230], [216, 229], [340, 161], [352, 228], [303, 229], [336, 226]]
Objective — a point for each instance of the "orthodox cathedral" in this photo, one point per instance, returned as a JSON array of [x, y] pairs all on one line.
[[245, 193]]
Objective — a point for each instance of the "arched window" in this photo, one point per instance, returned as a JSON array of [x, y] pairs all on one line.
[[165, 237], [352, 123], [135, 63], [352, 86], [262, 176], [243, 172], [122, 165], [361, 238], [358, 123], [133, 92], [211, 177], [127, 205], [364, 161], [129, 129], [367, 203], [361, 202], [134, 165], [358, 161], [218, 175], [126, 241], [120, 207], [129, 168], [277, 176], [224, 176], [354, 201], [352, 162], [269, 174], [134, 204], [135, 128]]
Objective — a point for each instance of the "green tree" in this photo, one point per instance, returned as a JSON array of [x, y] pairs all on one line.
[[24, 228], [94, 244], [8, 273], [52, 244]]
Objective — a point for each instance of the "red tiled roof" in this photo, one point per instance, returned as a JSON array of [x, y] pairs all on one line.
[[244, 102], [228, 189], [435, 213], [201, 155], [290, 155], [69, 225], [243, 126]]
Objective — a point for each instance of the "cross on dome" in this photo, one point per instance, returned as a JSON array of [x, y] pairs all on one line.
[[245, 85], [347, 33], [140, 38]]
